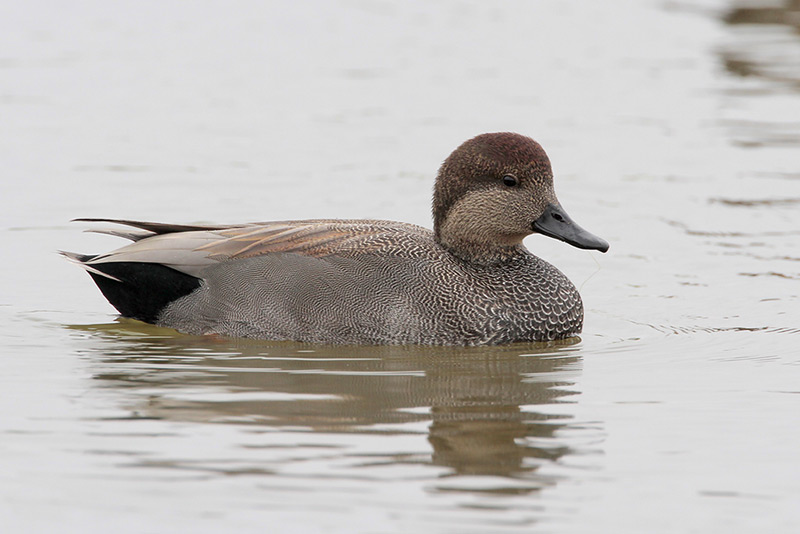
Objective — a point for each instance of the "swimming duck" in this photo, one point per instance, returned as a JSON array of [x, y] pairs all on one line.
[[470, 281]]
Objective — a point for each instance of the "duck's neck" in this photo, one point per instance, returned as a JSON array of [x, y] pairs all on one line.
[[479, 251], [485, 255]]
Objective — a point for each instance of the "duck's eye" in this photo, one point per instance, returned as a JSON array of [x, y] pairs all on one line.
[[509, 180]]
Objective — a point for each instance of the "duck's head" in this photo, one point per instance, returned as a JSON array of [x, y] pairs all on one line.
[[494, 190]]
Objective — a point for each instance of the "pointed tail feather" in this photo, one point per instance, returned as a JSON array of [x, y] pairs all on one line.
[[81, 259]]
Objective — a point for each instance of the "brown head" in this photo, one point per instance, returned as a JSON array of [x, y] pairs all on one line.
[[494, 190]]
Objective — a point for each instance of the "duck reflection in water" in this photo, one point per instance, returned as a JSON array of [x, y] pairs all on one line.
[[480, 402]]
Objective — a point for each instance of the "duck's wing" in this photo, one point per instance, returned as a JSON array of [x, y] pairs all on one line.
[[191, 248], [318, 238]]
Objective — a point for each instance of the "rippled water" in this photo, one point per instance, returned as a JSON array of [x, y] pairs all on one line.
[[674, 130]]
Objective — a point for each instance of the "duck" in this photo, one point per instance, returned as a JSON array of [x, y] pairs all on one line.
[[469, 281]]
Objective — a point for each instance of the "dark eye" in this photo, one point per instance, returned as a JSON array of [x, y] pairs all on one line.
[[509, 180]]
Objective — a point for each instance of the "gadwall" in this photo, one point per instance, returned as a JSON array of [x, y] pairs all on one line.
[[468, 282]]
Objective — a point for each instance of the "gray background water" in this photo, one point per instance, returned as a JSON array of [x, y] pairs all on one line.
[[674, 130]]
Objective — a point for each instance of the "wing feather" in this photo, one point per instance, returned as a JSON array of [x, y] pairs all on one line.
[[156, 228], [317, 238], [191, 248]]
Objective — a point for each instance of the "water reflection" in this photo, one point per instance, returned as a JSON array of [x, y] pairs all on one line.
[[478, 406], [766, 12], [763, 51], [770, 54]]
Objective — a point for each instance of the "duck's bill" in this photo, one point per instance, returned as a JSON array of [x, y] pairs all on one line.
[[555, 223]]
